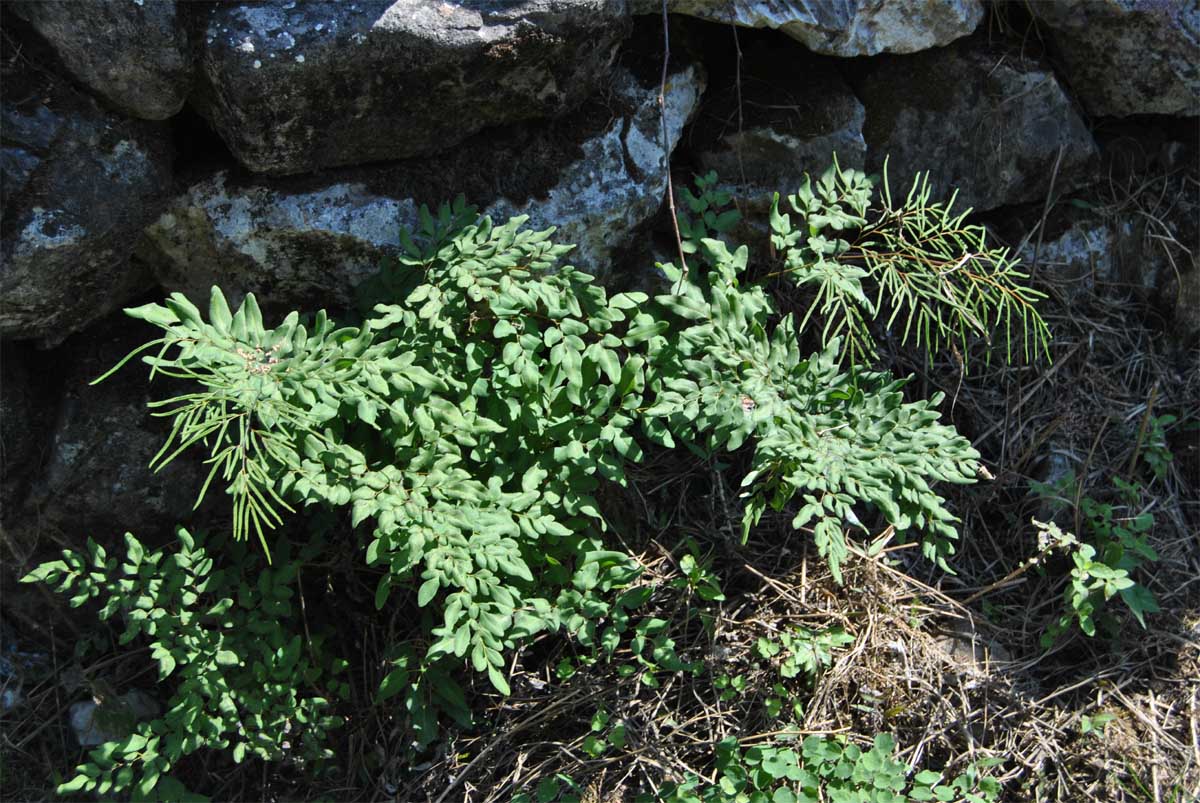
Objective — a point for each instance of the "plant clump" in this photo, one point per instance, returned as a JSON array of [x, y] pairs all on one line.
[[468, 427]]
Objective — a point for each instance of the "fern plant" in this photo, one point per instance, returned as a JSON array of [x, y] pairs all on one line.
[[837, 438], [242, 680], [466, 425]]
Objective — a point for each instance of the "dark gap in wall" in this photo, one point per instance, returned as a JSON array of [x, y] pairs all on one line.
[[1148, 144], [29, 398], [642, 52], [26, 59], [32, 85], [87, 438], [779, 84], [1012, 24], [199, 150], [519, 161], [780, 80], [1009, 224]]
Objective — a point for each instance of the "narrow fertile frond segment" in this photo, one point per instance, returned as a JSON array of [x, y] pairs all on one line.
[[915, 266]]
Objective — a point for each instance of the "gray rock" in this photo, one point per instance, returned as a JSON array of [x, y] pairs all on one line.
[[34, 126], [296, 87], [968, 650], [293, 249], [843, 28], [28, 131], [983, 123], [1118, 255], [85, 183], [307, 243], [133, 53], [1115, 255], [781, 137], [1078, 259], [1123, 57], [620, 180], [111, 719], [94, 479]]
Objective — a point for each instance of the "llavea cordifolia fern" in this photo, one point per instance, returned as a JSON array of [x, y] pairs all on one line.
[[467, 423]]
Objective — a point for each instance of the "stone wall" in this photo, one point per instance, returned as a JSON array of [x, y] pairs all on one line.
[[277, 148]]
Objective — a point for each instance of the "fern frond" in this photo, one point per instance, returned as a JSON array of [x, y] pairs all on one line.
[[942, 279], [916, 266]]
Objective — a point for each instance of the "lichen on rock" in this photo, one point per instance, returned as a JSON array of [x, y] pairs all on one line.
[[299, 87], [85, 183]]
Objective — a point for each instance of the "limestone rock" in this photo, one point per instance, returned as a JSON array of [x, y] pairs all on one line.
[[291, 248], [133, 53], [294, 87], [1123, 57], [83, 184], [307, 243], [846, 28], [982, 122]]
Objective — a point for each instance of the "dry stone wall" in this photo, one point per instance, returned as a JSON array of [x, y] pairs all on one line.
[[277, 147]]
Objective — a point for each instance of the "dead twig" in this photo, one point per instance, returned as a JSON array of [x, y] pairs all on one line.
[[666, 138]]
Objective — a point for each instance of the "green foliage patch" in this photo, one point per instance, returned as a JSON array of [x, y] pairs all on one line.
[[801, 651], [467, 425], [1104, 561], [224, 639], [826, 768]]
